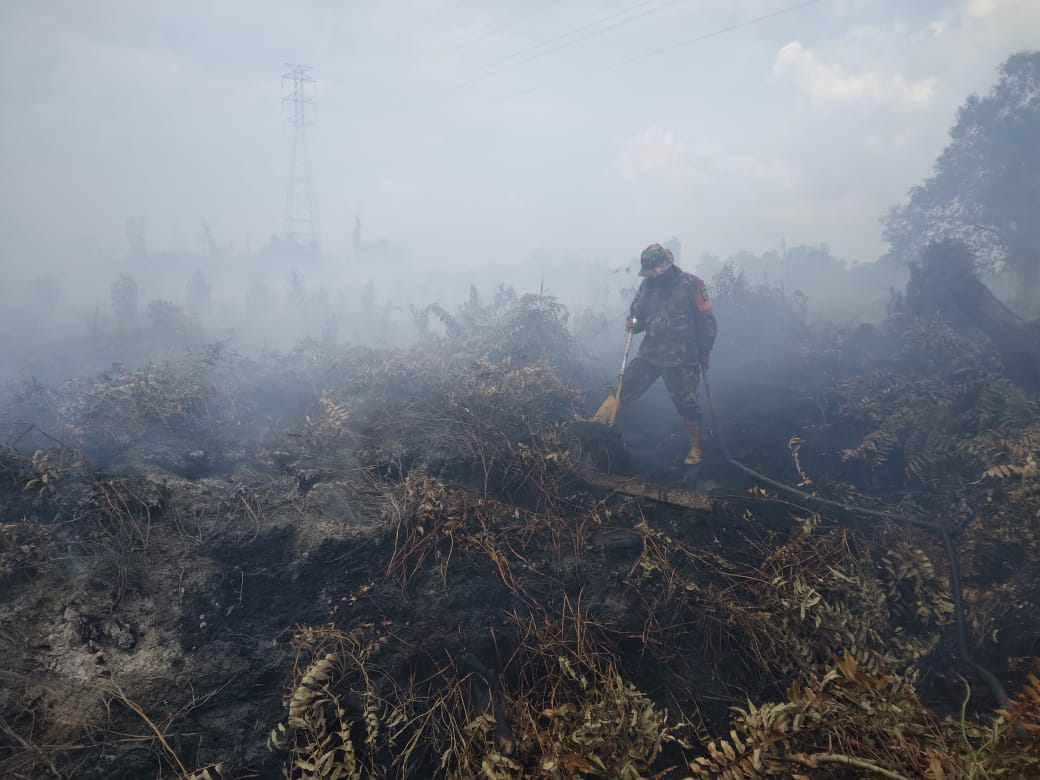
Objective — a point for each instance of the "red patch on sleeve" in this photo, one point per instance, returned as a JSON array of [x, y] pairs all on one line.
[[703, 301]]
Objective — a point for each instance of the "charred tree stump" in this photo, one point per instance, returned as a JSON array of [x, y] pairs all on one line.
[[945, 282]]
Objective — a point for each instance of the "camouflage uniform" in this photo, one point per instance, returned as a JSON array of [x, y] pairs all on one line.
[[674, 311]]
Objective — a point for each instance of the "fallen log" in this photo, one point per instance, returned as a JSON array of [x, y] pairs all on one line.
[[640, 488]]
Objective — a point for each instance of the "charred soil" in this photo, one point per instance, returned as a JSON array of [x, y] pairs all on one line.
[[353, 562]]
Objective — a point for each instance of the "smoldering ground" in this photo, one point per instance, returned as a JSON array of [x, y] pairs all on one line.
[[407, 526]]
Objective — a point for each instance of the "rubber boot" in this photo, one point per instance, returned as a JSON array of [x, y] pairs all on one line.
[[693, 430]]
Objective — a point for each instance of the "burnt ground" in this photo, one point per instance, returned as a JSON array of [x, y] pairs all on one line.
[[193, 621], [383, 563]]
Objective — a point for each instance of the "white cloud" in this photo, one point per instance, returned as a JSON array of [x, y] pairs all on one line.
[[980, 9], [981, 23], [969, 14], [658, 155], [833, 83]]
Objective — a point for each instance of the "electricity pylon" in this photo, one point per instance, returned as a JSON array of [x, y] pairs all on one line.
[[301, 211]]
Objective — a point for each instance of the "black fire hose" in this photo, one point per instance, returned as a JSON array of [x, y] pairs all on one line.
[[951, 554]]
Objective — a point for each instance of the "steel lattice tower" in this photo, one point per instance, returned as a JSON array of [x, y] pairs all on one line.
[[301, 212]]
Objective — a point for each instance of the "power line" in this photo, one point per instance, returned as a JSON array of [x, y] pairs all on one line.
[[570, 33], [567, 43], [501, 24], [438, 15], [655, 52]]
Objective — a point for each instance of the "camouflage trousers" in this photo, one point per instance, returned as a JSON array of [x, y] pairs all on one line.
[[680, 381]]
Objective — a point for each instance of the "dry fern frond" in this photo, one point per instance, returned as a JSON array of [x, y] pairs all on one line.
[[312, 688], [916, 589], [330, 426], [1023, 711], [876, 447], [1002, 471], [214, 772]]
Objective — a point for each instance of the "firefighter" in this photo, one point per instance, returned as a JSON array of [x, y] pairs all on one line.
[[674, 312]]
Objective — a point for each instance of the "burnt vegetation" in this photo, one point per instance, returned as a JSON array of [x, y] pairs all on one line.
[[346, 561], [382, 562]]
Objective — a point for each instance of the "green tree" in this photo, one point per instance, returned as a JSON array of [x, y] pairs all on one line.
[[985, 190]]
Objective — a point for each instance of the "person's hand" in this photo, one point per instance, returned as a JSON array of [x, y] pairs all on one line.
[[630, 324]]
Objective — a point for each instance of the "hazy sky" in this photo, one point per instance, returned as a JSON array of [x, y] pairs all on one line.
[[478, 131]]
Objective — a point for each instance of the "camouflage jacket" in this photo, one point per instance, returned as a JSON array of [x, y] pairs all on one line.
[[675, 312]]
